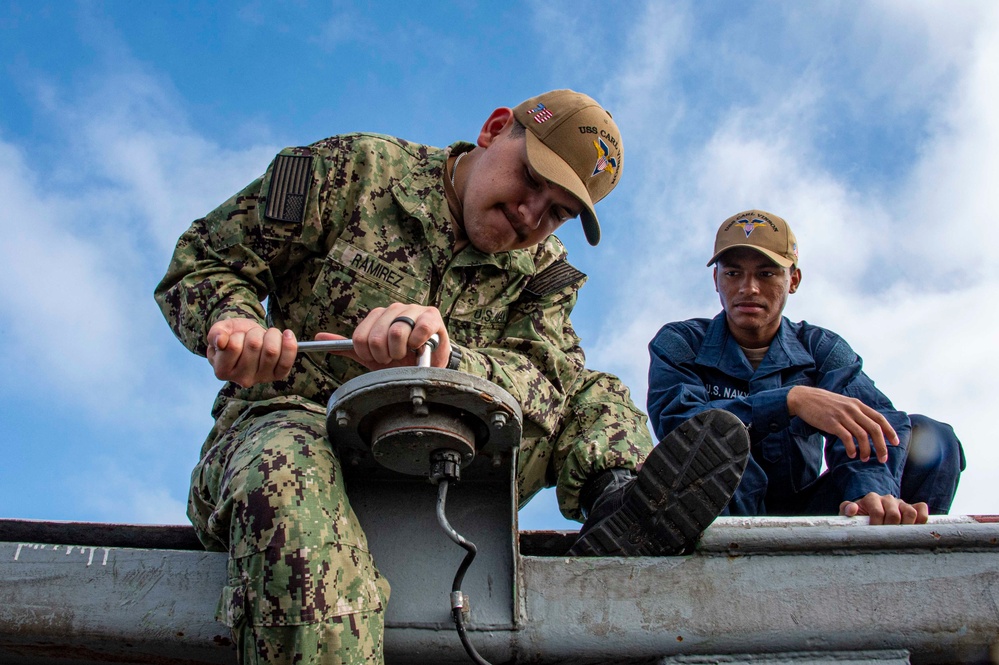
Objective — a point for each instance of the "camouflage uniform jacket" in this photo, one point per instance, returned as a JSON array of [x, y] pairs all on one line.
[[360, 221]]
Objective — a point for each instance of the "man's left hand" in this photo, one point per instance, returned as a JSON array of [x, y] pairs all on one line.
[[381, 340], [886, 509]]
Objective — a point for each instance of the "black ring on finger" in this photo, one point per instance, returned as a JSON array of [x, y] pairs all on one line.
[[403, 319]]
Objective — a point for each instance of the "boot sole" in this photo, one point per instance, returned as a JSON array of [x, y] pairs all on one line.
[[685, 482]]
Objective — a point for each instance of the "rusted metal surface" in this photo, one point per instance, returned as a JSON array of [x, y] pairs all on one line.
[[775, 591], [108, 605], [938, 603], [398, 417], [788, 535]]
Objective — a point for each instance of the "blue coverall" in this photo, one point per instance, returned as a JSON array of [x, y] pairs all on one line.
[[698, 365]]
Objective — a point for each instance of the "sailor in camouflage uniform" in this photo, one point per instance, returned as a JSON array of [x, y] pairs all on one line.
[[389, 242]]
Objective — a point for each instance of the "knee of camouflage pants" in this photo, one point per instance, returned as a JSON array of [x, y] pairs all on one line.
[[302, 584], [601, 429]]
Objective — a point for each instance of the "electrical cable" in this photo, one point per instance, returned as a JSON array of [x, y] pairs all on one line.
[[457, 597]]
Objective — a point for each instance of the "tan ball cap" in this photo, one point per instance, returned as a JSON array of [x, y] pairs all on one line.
[[763, 231], [573, 142]]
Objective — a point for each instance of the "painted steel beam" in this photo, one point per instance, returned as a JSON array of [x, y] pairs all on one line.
[[795, 591]]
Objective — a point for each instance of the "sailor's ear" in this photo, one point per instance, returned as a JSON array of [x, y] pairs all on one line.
[[498, 120]]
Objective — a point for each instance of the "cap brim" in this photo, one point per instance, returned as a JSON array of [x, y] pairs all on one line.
[[553, 168], [782, 261]]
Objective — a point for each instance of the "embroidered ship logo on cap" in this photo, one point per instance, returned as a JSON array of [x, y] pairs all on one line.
[[748, 226], [604, 161]]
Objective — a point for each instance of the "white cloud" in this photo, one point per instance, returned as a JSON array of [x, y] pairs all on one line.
[[660, 36], [147, 173], [89, 230], [67, 299], [118, 494], [946, 209], [90, 219]]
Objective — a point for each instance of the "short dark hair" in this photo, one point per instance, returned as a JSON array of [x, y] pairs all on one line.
[[518, 128]]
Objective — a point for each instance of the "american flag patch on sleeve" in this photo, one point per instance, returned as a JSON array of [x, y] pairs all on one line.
[[554, 278], [289, 189]]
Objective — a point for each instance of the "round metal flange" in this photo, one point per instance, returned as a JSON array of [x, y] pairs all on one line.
[[405, 443], [400, 416]]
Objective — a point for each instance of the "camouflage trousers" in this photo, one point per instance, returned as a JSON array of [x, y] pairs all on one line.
[[302, 584], [600, 429]]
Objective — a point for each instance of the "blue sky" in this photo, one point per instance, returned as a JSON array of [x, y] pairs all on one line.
[[873, 128]]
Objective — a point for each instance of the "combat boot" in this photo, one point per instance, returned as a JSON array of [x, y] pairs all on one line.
[[663, 509]]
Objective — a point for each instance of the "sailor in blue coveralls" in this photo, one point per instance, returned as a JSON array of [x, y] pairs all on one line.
[[801, 391]]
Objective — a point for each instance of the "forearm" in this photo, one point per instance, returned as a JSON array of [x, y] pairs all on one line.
[[228, 262], [856, 478], [859, 421], [200, 288], [535, 361], [853, 476]]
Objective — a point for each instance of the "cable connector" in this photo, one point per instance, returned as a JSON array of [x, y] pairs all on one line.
[[445, 464], [460, 601]]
